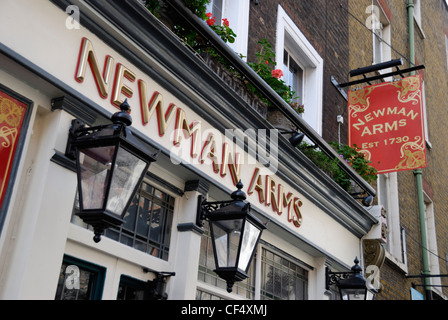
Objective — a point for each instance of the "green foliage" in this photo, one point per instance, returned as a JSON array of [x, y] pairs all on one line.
[[265, 57], [225, 32], [331, 166], [154, 7], [263, 67], [198, 7]]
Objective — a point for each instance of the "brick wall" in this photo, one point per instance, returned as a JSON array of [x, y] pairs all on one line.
[[430, 51], [344, 43], [325, 26]]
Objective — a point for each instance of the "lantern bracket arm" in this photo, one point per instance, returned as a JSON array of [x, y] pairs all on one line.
[[158, 284], [78, 129], [206, 207], [75, 126], [163, 274], [335, 277]]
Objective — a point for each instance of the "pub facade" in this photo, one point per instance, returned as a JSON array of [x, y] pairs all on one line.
[[65, 60]]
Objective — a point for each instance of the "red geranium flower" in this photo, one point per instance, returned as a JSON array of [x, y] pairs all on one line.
[[225, 22], [210, 21], [277, 73]]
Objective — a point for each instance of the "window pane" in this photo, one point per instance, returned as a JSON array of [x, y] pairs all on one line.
[[245, 288], [293, 76], [133, 289], [215, 7], [79, 281], [250, 238], [153, 216], [95, 168], [282, 279], [147, 222], [143, 217]]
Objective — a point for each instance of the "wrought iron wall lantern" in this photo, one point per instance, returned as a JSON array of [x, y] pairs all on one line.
[[111, 164], [367, 200], [296, 137], [157, 287], [351, 284], [235, 232]]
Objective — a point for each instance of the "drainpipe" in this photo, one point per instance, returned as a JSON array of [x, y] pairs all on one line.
[[410, 7], [418, 172], [421, 209]]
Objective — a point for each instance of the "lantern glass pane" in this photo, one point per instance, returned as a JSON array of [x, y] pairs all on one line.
[[353, 294], [226, 236], [127, 173], [95, 166], [250, 237]]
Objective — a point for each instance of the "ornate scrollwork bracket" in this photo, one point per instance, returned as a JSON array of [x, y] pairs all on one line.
[[335, 277], [205, 207]]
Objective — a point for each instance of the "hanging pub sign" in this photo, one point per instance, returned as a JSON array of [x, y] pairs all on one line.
[[386, 122], [12, 113]]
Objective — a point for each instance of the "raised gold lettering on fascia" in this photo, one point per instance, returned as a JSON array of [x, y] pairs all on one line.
[[269, 192], [87, 57], [119, 86], [273, 194]]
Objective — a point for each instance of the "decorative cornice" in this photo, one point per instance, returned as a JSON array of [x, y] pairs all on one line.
[[75, 107], [197, 185]]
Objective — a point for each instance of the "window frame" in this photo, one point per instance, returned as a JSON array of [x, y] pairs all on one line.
[[299, 75], [237, 13], [108, 232], [140, 285], [418, 13], [431, 245], [446, 50], [289, 36], [383, 37], [96, 291], [216, 290], [285, 257]]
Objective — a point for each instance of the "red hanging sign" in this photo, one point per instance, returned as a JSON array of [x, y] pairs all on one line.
[[12, 113], [386, 122]]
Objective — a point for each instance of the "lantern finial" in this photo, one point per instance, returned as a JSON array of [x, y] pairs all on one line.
[[238, 194], [123, 116]]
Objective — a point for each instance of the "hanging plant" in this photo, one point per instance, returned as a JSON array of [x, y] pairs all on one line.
[[264, 68], [349, 154]]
